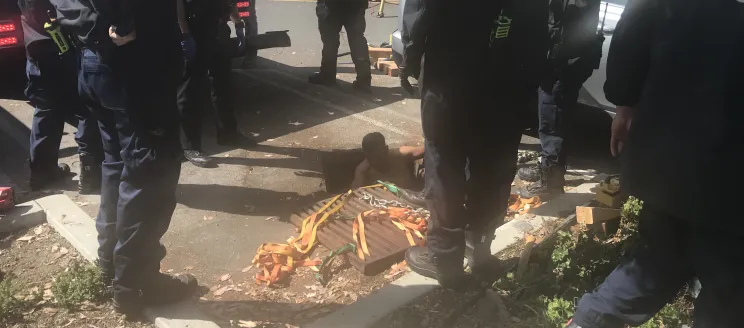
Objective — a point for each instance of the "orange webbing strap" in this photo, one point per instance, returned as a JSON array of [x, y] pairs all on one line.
[[276, 261], [305, 247]]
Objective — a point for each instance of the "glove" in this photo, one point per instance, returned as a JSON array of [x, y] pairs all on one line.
[[189, 46], [240, 33]]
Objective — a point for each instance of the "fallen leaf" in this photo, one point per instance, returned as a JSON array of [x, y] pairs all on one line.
[[26, 238], [170, 271], [188, 268], [55, 248], [246, 269], [220, 291], [225, 277], [39, 230], [48, 285], [208, 218], [311, 295], [63, 250], [271, 218], [315, 137], [268, 155], [247, 324]]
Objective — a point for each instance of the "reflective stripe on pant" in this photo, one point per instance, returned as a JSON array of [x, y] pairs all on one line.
[[463, 131], [670, 253], [140, 175], [52, 91]]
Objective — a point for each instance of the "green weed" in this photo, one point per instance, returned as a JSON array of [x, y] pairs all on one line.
[[77, 285], [10, 306]]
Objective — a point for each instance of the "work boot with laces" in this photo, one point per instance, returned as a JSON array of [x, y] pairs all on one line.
[[550, 185], [420, 261], [42, 178], [530, 173], [197, 158], [162, 290], [90, 175]]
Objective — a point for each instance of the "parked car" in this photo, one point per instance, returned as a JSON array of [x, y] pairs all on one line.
[[591, 94]]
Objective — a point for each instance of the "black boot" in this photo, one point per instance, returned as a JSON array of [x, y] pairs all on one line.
[[413, 197], [90, 175], [363, 84], [197, 158], [164, 289], [530, 173], [322, 79], [42, 178], [550, 185], [421, 262]]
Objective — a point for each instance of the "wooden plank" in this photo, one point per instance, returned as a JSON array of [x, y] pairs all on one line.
[[613, 200], [387, 244], [380, 53], [595, 215]]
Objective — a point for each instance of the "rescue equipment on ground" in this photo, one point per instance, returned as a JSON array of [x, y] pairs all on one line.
[[277, 261]]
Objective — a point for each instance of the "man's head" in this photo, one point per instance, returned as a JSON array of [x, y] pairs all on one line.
[[375, 149]]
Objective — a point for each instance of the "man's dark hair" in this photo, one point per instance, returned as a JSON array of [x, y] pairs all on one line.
[[374, 140]]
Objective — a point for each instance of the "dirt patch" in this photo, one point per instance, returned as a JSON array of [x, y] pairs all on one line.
[[32, 258], [231, 300]]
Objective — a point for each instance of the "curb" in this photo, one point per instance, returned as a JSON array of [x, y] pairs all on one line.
[[368, 311], [24, 215]]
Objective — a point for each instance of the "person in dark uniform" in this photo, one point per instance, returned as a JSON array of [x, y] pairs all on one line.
[[52, 90], [332, 16], [129, 71], [206, 43], [482, 63], [575, 53], [678, 122]]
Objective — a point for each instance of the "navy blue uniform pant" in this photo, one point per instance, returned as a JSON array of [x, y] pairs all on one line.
[[464, 130], [209, 70], [350, 16], [556, 101], [52, 90], [140, 171], [670, 253]]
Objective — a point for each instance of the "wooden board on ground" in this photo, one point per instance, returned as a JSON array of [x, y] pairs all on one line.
[[387, 244], [595, 215], [375, 53]]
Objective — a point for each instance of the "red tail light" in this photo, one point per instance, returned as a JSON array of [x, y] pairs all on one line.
[[243, 4], [7, 27], [244, 14], [8, 41]]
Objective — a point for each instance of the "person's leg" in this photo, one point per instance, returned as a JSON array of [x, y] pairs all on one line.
[[220, 74], [648, 279], [147, 198], [492, 163], [718, 256], [329, 25], [92, 78], [445, 194], [191, 95], [46, 126], [355, 25]]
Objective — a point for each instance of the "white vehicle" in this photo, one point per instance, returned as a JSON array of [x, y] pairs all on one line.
[[592, 93]]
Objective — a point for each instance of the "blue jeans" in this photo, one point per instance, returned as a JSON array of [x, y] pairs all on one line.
[[140, 171], [51, 90], [671, 252]]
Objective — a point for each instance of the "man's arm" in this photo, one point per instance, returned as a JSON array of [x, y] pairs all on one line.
[[123, 18], [360, 175], [412, 152], [628, 58]]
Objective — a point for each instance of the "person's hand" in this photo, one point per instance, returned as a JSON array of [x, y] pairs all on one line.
[[240, 33], [405, 84], [121, 40], [620, 127], [189, 46]]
